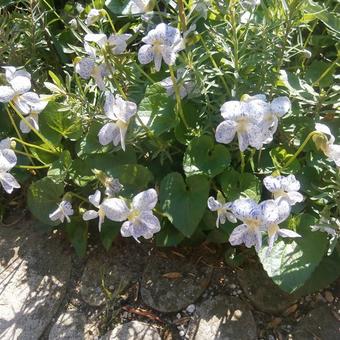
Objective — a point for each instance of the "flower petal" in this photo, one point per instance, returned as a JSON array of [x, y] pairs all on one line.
[[90, 215], [290, 183], [273, 184], [158, 61], [243, 140], [115, 209], [237, 235], [95, 198], [294, 197], [225, 132], [280, 106], [145, 54], [85, 67], [270, 213], [106, 133], [325, 129], [99, 38], [6, 94], [20, 84], [231, 109], [288, 233], [284, 208], [145, 200], [244, 208], [8, 182], [213, 204], [169, 56]]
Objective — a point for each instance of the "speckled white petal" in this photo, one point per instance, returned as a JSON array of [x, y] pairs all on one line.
[[5, 144], [95, 198], [157, 61], [288, 233], [20, 84], [145, 200], [270, 213], [284, 208], [150, 221], [237, 235], [169, 56], [273, 184], [6, 94], [85, 67], [8, 182], [106, 133], [243, 208], [294, 197], [145, 54], [213, 204], [243, 140], [99, 38], [115, 209], [225, 132], [231, 110], [280, 106], [8, 159], [90, 215], [334, 153], [290, 183]]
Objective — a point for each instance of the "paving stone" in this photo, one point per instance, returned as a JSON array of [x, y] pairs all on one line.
[[171, 284], [34, 270], [223, 318], [69, 326], [320, 323], [133, 330], [119, 267], [262, 291]]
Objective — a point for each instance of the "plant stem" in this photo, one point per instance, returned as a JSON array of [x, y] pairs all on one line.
[[38, 134], [243, 163], [78, 196], [178, 97], [32, 145], [299, 150], [18, 133], [33, 166], [182, 16]]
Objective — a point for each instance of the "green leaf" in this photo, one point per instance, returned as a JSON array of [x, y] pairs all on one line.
[[60, 168], [56, 124], [292, 262], [184, 203], [133, 177], [43, 197], [89, 144], [77, 232], [157, 111], [235, 184], [169, 236], [80, 173], [109, 232], [326, 272], [203, 156]]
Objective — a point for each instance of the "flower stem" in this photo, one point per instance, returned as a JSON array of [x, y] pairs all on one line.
[[178, 97], [18, 133], [299, 150], [38, 134], [110, 20], [182, 16], [243, 163], [33, 166], [32, 145], [78, 196]]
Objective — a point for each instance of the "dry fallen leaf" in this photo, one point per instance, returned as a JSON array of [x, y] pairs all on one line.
[[172, 275], [291, 309]]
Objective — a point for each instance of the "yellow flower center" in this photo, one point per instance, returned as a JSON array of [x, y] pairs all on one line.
[[252, 223], [133, 215], [121, 124]]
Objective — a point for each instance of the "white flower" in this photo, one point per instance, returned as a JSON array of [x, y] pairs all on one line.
[[244, 118], [112, 186], [117, 43], [8, 160], [92, 17], [119, 111], [278, 108], [138, 6], [282, 186], [185, 86], [92, 66], [163, 42], [324, 228], [63, 211], [274, 213], [331, 150], [92, 214], [249, 4], [223, 211], [35, 105], [139, 219], [19, 82], [249, 233]]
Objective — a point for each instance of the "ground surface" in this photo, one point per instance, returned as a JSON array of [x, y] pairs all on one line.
[[136, 291]]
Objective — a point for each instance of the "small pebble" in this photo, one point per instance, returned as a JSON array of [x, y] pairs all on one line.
[[178, 315], [232, 286], [239, 291], [329, 296], [190, 309], [181, 333]]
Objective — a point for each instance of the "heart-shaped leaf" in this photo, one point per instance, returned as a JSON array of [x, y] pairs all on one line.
[[184, 203], [292, 262], [43, 197], [203, 156]]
